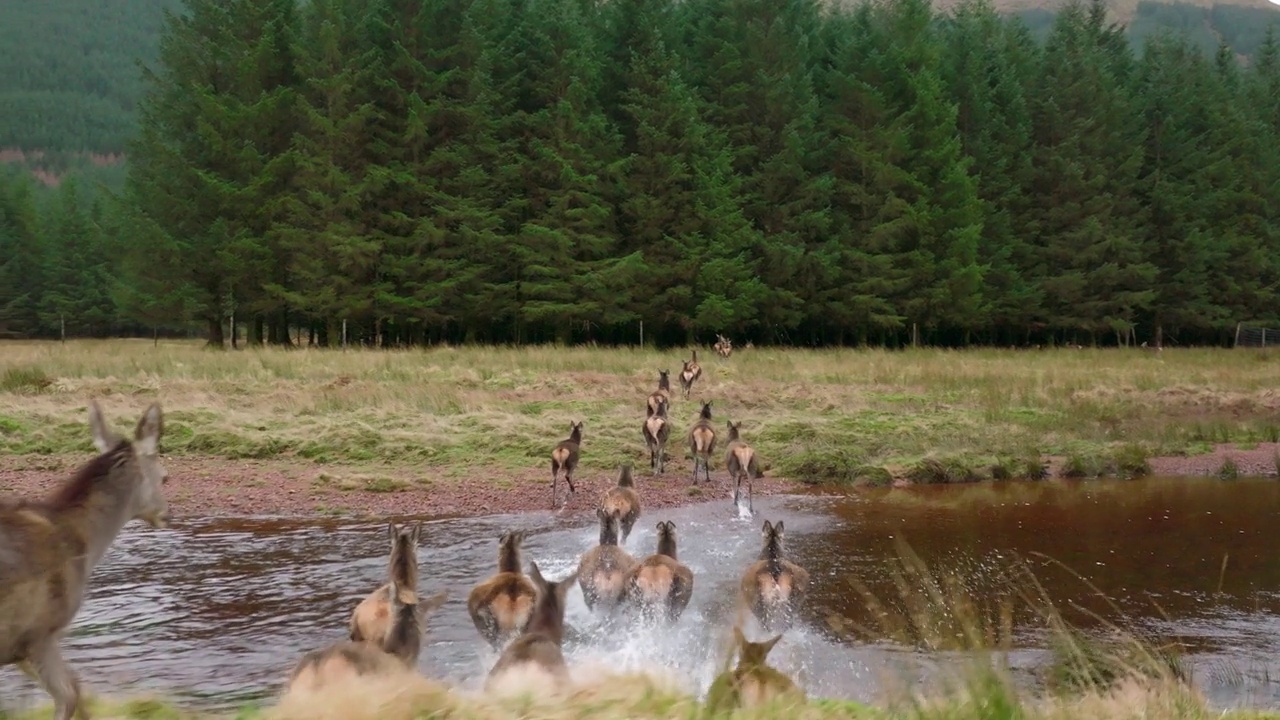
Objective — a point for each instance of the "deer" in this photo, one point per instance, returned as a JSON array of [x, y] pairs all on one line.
[[690, 371], [624, 501], [657, 430], [773, 587], [723, 346], [501, 606], [743, 464], [342, 661], [752, 683], [660, 399], [49, 548], [540, 644], [661, 580], [602, 570], [564, 458], [702, 442], [392, 616]]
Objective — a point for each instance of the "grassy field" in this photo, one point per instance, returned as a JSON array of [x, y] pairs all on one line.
[[815, 416]]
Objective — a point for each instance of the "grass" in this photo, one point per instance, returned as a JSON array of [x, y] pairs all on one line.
[[847, 416], [1120, 676]]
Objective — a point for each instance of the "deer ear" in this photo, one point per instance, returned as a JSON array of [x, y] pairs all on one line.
[[391, 532], [767, 645], [150, 428], [738, 637], [536, 575], [777, 529], [103, 437]]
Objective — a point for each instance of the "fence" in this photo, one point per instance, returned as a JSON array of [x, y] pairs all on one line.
[[1254, 336]]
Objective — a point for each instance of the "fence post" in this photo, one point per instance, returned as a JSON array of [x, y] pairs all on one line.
[[344, 334], [1237, 334], [642, 333], [62, 322]]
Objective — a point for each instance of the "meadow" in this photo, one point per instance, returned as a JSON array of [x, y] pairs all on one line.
[[488, 416]]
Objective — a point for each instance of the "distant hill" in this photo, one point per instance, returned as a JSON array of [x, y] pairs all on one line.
[[69, 78]]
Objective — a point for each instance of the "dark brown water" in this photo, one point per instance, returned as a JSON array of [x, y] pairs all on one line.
[[218, 611]]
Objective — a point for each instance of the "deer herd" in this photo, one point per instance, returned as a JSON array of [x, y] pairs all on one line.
[[49, 548]]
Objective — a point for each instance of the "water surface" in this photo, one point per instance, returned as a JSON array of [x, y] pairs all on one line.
[[217, 611]]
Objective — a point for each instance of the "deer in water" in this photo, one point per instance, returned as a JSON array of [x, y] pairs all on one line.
[[743, 464], [540, 643], [603, 569], [623, 501], [49, 548], [752, 683], [657, 430], [564, 458], [723, 346], [690, 371], [702, 442], [660, 399], [661, 580], [501, 606], [392, 616], [773, 587]]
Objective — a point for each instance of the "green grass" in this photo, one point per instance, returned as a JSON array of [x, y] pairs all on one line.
[[834, 416]]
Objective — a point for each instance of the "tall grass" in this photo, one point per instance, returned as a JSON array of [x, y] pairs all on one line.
[[814, 415]]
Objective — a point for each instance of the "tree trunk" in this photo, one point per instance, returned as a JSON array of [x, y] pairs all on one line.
[[255, 332], [215, 333]]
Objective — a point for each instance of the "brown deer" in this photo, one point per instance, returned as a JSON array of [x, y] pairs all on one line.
[[392, 616], [660, 399], [624, 501], [773, 587], [661, 580], [723, 346], [501, 606], [49, 548], [342, 661], [539, 645], [752, 683], [743, 464], [657, 430], [702, 442], [689, 372], [564, 458], [603, 569]]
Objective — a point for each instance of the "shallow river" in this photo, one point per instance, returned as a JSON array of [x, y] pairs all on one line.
[[215, 612]]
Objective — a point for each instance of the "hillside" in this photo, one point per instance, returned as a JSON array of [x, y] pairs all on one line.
[[69, 75]]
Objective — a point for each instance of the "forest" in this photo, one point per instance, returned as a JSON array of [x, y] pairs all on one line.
[[780, 171]]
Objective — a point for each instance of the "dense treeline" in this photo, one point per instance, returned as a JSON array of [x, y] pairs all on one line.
[[535, 170], [69, 79]]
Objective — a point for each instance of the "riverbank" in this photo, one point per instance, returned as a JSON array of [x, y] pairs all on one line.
[[466, 431]]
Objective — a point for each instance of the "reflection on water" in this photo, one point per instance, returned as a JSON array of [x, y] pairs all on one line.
[[218, 611]]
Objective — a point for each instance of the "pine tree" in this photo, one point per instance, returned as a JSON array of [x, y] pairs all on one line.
[[21, 259]]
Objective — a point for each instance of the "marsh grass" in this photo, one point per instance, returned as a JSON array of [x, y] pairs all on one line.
[[827, 416]]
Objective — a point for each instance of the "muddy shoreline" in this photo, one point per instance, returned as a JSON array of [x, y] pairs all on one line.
[[211, 486]]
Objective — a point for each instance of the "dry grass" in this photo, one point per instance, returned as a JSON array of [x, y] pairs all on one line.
[[813, 415]]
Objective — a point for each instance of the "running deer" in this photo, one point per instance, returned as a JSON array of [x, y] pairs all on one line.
[[657, 430], [773, 587], [603, 569], [690, 372], [539, 645], [723, 346], [624, 501], [501, 606], [743, 464], [660, 399], [564, 458], [702, 442], [339, 662], [752, 683], [392, 617], [49, 548], [661, 580]]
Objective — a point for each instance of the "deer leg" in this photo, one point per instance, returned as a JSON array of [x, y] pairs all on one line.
[[555, 476], [46, 666], [568, 478]]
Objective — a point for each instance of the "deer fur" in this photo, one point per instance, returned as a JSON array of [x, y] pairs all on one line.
[[661, 398], [689, 372], [657, 430], [661, 580], [502, 606], [752, 683], [602, 571], [723, 346], [564, 459], [49, 548], [540, 643], [392, 617], [742, 463], [774, 588], [702, 442], [624, 501], [339, 662]]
